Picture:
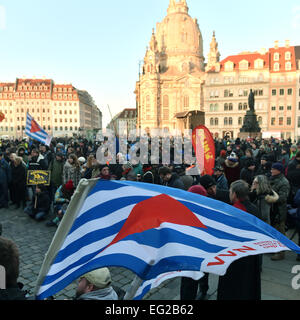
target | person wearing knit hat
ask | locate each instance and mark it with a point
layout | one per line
(62, 199)
(96, 285)
(281, 186)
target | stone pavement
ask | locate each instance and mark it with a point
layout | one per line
(33, 239)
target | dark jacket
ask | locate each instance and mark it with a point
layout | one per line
(175, 182)
(242, 279)
(42, 203)
(281, 186)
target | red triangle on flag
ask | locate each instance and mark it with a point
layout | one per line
(151, 213)
(34, 127)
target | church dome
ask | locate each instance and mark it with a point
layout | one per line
(178, 35)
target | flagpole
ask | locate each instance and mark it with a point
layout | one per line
(136, 283)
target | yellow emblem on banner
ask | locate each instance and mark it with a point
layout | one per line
(36, 177)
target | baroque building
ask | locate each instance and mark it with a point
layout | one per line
(178, 89)
(60, 109)
(171, 82)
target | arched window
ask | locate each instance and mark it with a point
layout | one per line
(245, 106)
(216, 108)
(211, 121)
(240, 106)
(230, 106)
(240, 121)
(230, 121)
(225, 121)
(216, 121)
(226, 107)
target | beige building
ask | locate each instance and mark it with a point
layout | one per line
(61, 110)
(170, 84)
(124, 121)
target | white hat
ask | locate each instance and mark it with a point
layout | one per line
(100, 278)
(81, 159)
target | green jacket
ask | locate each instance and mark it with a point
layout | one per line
(56, 168)
(281, 186)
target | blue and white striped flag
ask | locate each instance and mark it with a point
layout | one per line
(152, 230)
(34, 131)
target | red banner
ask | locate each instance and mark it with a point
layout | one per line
(204, 146)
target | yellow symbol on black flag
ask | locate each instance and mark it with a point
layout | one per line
(36, 177)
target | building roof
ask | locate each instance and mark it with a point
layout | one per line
(251, 57)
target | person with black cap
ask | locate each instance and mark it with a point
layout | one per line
(281, 186)
(209, 183)
(249, 171)
(264, 168)
(221, 180)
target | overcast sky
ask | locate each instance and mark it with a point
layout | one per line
(97, 44)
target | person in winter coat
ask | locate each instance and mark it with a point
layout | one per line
(10, 260)
(242, 279)
(297, 203)
(281, 186)
(71, 170)
(263, 196)
(96, 285)
(18, 182)
(293, 175)
(56, 168)
(5, 179)
(36, 161)
(170, 179)
(221, 180)
(232, 168)
(264, 168)
(61, 201)
(40, 204)
(249, 171)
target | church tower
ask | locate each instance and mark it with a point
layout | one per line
(213, 55)
(173, 72)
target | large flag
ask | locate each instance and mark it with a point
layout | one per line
(34, 131)
(153, 231)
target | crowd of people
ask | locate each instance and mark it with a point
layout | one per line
(261, 177)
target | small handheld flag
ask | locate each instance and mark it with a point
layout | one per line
(34, 131)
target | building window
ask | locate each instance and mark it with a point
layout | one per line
(276, 66)
(274, 92)
(212, 121)
(273, 121)
(226, 107)
(244, 65)
(230, 121)
(245, 106)
(216, 121)
(288, 66)
(226, 93)
(281, 92)
(276, 56)
(273, 108)
(240, 121)
(288, 121)
(225, 121)
(290, 92)
(281, 108)
(230, 108)
(280, 121)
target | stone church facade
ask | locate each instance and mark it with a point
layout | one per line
(178, 89)
(170, 88)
